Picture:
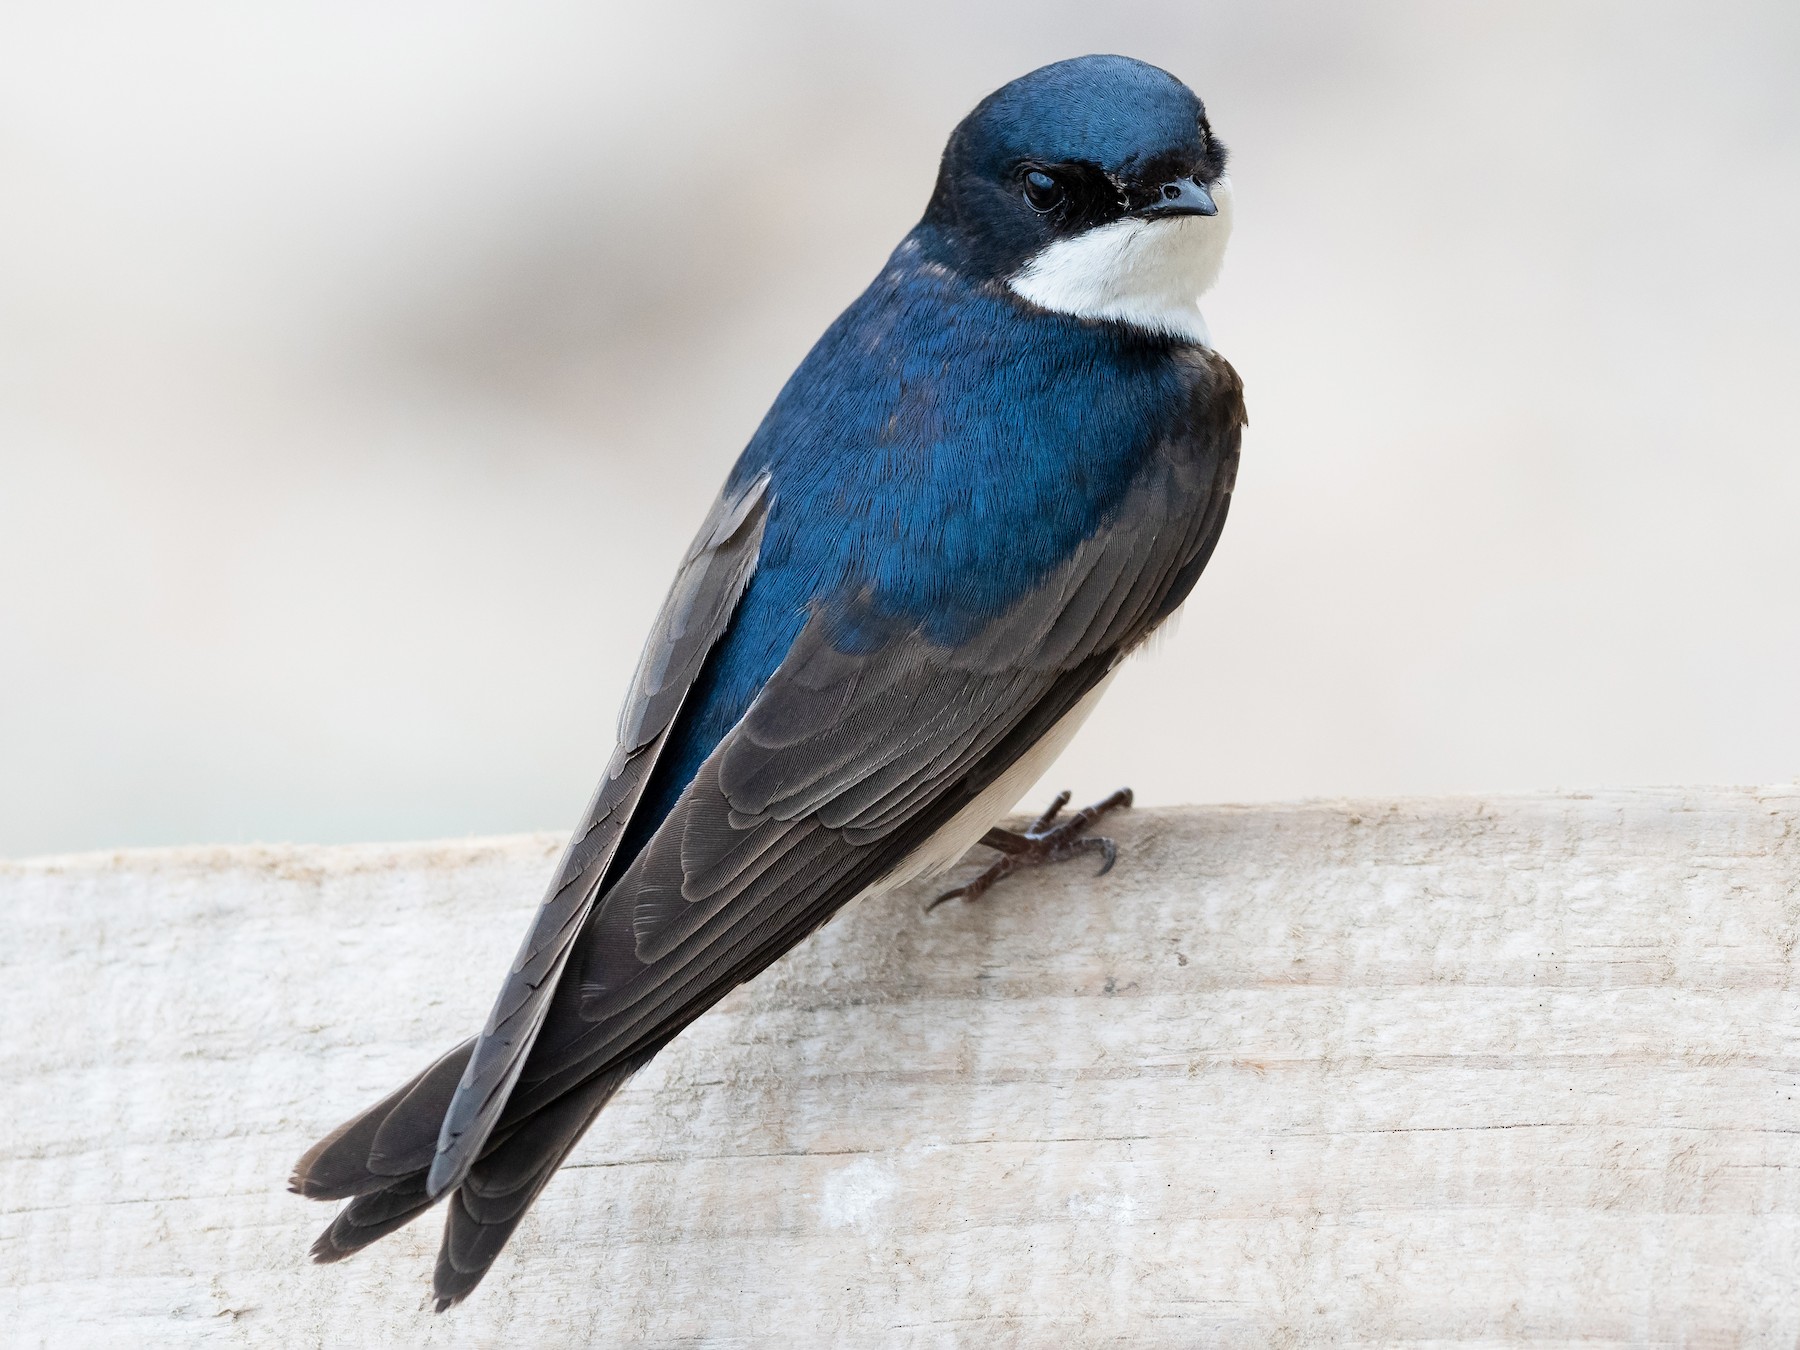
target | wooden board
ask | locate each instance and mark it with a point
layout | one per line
(1472, 1071)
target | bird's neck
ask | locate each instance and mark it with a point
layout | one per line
(1146, 275)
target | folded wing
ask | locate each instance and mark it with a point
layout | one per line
(699, 606)
(868, 739)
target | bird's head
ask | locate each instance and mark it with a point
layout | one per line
(1093, 187)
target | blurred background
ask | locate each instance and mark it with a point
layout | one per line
(364, 370)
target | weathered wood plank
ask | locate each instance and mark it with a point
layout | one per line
(1474, 1071)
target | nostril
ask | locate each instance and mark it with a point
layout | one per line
(1171, 191)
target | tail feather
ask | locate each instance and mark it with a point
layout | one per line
(380, 1161)
(386, 1143)
(492, 1199)
(370, 1217)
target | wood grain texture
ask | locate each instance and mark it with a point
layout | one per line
(1461, 1072)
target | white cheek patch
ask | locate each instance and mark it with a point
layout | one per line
(1148, 273)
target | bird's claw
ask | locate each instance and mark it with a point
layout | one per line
(1044, 842)
(1109, 854)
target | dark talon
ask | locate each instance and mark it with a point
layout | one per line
(1044, 842)
(1043, 822)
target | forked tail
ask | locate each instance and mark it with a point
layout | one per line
(379, 1161)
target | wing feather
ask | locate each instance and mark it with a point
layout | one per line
(706, 591)
(868, 739)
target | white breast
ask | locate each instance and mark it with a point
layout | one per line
(966, 827)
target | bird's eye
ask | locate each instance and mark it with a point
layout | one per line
(1042, 191)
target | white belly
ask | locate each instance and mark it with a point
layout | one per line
(966, 827)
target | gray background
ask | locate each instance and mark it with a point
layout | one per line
(364, 370)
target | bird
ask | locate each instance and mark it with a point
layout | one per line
(995, 475)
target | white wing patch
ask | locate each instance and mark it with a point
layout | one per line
(1148, 273)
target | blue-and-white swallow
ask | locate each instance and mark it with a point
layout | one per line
(1000, 469)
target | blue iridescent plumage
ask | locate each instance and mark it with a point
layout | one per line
(991, 479)
(943, 448)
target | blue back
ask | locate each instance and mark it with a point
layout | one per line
(939, 451)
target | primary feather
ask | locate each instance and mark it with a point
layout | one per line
(957, 518)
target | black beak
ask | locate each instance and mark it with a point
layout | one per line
(1181, 197)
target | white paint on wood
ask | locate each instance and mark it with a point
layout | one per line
(1473, 1071)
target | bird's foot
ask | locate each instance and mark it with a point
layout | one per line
(1045, 842)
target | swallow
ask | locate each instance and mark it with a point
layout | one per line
(992, 478)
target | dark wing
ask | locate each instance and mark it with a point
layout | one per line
(853, 755)
(707, 588)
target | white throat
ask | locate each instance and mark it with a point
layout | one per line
(1148, 273)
